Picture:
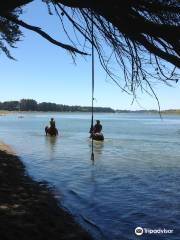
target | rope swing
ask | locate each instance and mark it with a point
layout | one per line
(92, 96)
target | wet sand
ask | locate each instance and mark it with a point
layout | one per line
(28, 209)
(4, 112)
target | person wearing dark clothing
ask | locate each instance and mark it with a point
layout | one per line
(52, 130)
(95, 131)
(97, 128)
(52, 123)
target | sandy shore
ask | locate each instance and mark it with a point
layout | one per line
(4, 112)
(28, 210)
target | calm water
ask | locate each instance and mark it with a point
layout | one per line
(135, 180)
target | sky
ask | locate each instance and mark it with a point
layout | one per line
(45, 72)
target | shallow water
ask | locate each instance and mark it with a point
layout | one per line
(135, 179)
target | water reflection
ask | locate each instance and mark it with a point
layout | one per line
(97, 147)
(51, 143)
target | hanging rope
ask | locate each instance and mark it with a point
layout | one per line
(92, 97)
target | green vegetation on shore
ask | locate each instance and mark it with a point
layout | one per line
(32, 105)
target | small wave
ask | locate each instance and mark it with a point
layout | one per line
(93, 224)
(74, 193)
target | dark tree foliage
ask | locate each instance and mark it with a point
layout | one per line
(9, 105)
(143, 36)
(47, 106)
(9, 34)
(32, 105)
(28, 105)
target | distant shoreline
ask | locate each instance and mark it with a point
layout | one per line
(31, 105)
(2, 112)
(168, 112)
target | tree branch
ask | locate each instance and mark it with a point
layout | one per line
(44, 35)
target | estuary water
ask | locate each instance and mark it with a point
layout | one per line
(135, 178)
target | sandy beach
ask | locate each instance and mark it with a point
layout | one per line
(28, 209)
